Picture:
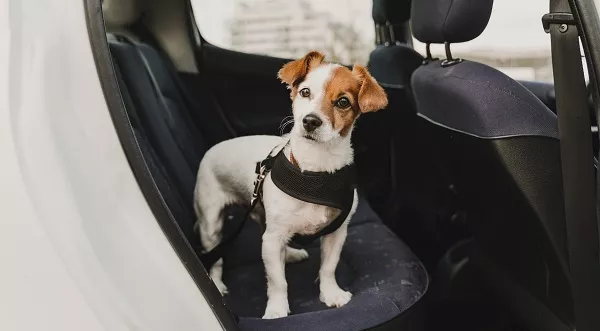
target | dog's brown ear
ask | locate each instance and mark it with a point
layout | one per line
(293, 73)
(371, 96)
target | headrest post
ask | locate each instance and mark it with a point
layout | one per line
(377, 34)
(391, 31)
(448, 52)
(428, 57)
(449, 60)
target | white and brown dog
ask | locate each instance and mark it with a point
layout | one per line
(327, 99)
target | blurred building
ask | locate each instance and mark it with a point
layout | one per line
(290, 28)
(535, 65)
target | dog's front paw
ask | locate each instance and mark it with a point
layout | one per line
(334, 296)
(293, 255)
(276, 309)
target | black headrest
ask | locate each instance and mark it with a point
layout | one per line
(453, 21)
(392, 11)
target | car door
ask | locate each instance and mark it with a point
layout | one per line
(246, 88)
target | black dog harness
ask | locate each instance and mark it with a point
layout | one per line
(334, 190)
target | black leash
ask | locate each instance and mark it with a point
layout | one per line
(334, 190)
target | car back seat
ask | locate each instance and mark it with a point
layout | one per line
(385, 277)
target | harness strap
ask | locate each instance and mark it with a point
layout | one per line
(335, 190)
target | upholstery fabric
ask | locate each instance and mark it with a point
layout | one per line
(393, 65)
(382, 273)
(481, 101)
(385, 277)
(454, 21)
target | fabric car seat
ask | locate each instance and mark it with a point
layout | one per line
(393, 61)
(500, 144)
(385, 277)
(421, 201)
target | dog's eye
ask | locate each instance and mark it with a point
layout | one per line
(305, 92)
(342, 103)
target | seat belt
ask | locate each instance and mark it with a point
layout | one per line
(577, 165)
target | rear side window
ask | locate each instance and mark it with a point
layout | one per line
(514, 41)
(342, 29)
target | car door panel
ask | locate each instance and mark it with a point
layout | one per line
(247, 89)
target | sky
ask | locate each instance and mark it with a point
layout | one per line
(514, 28)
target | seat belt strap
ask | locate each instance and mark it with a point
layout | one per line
(577, 166)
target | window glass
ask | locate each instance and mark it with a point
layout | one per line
(342, 29)
(514, 41)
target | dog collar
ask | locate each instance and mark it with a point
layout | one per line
(331, 189)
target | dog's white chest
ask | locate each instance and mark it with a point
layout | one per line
(309, 218)
(293, 215)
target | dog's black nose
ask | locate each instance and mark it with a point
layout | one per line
(311, 122)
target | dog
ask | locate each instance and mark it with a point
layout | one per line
(327, 99)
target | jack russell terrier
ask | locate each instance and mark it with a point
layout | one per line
(327, 99)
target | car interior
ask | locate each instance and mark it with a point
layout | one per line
(460, 223)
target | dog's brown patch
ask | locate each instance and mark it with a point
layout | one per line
(293, 73)
(371, 97)
(361, 89)
(341, 83)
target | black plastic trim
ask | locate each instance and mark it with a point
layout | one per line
(556, 18)
(116, 107)
(585, 11)
(518, 300)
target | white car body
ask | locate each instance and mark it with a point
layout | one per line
(79, 247)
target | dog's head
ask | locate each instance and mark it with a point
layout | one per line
(327, 98)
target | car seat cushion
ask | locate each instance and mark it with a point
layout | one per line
(381, 272)
(453, 21)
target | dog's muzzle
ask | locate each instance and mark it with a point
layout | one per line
(311, 122)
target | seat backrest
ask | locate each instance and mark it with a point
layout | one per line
(419, 199)
(160, 112)
(391, 63)
(393, 60)
(500, 144)
(164, 136)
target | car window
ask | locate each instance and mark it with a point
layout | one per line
(514, 41)
(342, 29)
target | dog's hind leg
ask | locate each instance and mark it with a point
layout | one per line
(216, 274)
(210, 224)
